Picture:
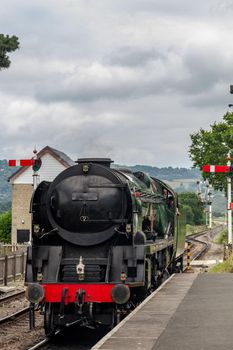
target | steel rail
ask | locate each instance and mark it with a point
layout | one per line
(193, 239)
(200, 233)
(12, 317)
(44, 341)
(12, 296)
(40, 344)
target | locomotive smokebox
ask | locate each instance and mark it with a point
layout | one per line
(88, 201)
(101, 161)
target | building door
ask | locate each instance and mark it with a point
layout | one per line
(23, 236)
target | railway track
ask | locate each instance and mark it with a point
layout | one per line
(72, 338)
(16, 335)
(12, 306)
(14, 316)
(198, 247)
(41, 344)
(11, 296)
(14, 322)
(15, 332)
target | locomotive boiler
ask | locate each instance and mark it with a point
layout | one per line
(102, 239)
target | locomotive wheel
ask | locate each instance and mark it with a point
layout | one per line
(116, 317)
(49, 320)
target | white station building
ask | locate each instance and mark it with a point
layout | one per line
(53, 162)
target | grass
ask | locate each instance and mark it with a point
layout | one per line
(225, 266)
(220, 219)
(190, 229)
(221, 237)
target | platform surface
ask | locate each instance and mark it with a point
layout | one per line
(193, 311)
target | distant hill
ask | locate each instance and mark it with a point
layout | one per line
(182, 179)
(169, 173)
(5, 188)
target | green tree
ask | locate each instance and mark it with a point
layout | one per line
(193, 208)
(7, 44)
(188, 213)
(211, 147)
(5, 227)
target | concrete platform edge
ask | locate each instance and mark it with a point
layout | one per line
(115, 329)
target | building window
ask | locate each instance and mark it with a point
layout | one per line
(23, 236)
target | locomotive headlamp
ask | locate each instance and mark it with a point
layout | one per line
(35, 293)
(80, 269)
(120, 293)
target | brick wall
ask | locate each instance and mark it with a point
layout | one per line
(21, 198)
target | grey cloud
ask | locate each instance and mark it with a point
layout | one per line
(194, 74)
(224, 6)
(208, 76)
(129, 80)
(214, 98)
(133, 56)
(116, 132)
(207, 65)
(116, 86)
(168, 7)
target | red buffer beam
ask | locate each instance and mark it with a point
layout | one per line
(216, 168)
(21, 162)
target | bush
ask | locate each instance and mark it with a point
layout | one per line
(187, 210)
(193, 208)
(5, 227)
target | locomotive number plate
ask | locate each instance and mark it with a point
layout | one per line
(84, 196)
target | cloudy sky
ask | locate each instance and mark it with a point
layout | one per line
(126, 79)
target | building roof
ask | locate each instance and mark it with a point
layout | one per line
(58, 155)
(61, 156)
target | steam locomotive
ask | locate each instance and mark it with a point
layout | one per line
(102, 239)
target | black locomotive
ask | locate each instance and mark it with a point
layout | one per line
(102, 238)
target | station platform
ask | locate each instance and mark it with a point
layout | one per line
(189, 311)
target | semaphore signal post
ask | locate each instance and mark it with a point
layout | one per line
(35, 162)
(224, 169)
(229, 204)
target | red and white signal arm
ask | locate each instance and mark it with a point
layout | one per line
(231, 206)
(35, 163)
(216, 168)
(20, 162)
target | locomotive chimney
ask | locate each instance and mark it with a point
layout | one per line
(102, 161)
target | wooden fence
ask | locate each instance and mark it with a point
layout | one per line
(12, 263)
(9, 248)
